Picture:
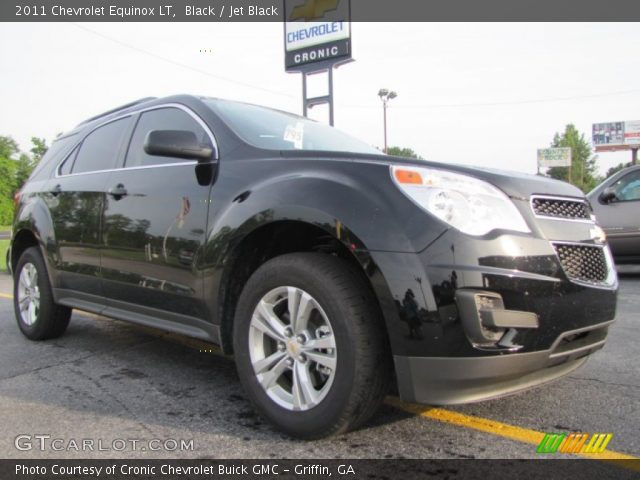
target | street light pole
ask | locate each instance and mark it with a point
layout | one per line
(384, 116)
(385, 95)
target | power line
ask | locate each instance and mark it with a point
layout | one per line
(182, 65)
(349, 105)
(502, 103)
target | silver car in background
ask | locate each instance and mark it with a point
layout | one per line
(616, 204)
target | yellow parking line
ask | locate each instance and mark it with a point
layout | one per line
(493, 427)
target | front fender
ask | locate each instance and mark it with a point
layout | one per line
(357, 195)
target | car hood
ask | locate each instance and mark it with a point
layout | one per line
(514, 184)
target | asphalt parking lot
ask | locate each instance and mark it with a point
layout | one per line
(107, 380)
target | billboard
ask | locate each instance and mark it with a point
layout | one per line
(554, 157)
(316, 31)
(616, 135)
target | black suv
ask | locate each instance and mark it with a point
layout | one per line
(320, 264)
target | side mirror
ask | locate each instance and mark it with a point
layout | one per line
(177, 143)
(608, 195)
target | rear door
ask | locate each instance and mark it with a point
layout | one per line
(75, 198)
(154, 228)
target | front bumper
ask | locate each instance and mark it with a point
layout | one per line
(436, 356)
(448, 381)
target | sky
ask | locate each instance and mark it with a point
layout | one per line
(486, 94)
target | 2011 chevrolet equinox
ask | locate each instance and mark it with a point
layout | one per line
(320, 264)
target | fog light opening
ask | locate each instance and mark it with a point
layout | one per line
(488, 324)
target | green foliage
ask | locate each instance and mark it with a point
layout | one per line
(15, 168)
(617, 168)
(583, 162)
(4, 246)
(8, 147)
(403, 152)
(38, 150)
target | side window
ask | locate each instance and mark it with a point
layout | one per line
(168, 118)
(628, 187)
(56, 152)
(68, 163)
(99, 150)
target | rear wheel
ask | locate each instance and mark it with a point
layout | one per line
(309, 345)
(38, 316)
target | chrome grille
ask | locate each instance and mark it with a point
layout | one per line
(583, 263)
(560, 208)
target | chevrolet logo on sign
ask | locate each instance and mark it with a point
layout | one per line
(316, 31)
(312, 9)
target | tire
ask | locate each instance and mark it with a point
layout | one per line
(43, 318)
(305, 397)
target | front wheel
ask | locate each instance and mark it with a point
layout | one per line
(310, 346)
(38, 316)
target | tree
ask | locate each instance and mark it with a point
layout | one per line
(38, 149)
(403, 152)
(26, 163)
(15, 168)
(583, 163)
(8, 147)
(617, 168)
(24, 167)
(8, 151)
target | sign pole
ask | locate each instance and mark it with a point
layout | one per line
(634, 156)
(330, 95)
(304, 94)
(313, 69)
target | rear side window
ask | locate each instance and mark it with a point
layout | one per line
(100, 149)
(58, 149)
(65, 169)
(168, 118)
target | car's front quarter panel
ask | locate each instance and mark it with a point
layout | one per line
(348, 200)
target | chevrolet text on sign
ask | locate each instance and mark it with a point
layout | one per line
(316, 31)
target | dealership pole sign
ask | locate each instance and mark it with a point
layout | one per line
(554, 157)
(317, 38)
(316, 32)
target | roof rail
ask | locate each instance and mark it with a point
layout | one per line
(117, 109)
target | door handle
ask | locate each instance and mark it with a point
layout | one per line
(118, 191)
(57, 190)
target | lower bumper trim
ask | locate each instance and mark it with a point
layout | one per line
(450, 381)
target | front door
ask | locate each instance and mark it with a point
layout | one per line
(620, 217)
(154, 227)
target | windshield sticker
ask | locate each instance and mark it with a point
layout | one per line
(294, 134)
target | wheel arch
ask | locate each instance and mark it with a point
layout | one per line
(282, 236)
(33, 227)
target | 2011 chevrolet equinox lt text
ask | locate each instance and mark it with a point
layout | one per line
(320, 264)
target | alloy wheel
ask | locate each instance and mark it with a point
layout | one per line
(292, 348)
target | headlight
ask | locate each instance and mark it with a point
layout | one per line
(466, 203)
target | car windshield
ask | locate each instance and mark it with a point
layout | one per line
(275, 130)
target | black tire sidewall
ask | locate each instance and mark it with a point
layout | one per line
(331, 410)
(41, 326)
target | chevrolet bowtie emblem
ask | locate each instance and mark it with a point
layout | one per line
(312, 9)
